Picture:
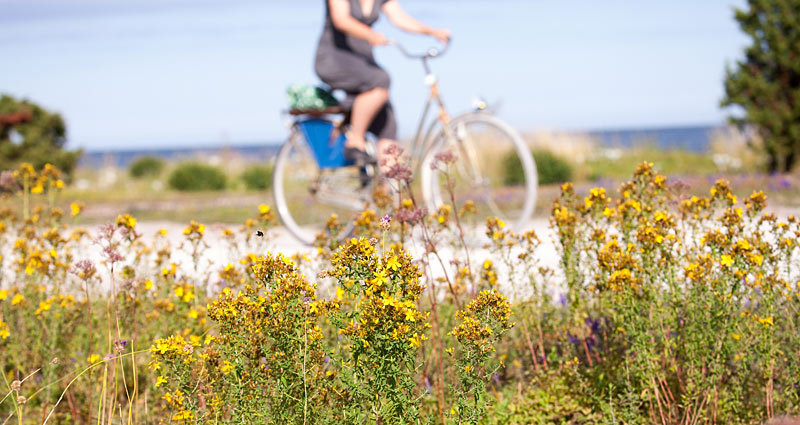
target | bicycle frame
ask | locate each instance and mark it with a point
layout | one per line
(420, 144)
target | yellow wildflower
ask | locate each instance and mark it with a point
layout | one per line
(393, 263)
(43, 306)
(75, 208)
(726, 260)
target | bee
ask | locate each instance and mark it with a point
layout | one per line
(259, 233)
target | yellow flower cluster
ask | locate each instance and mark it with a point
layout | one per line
(442, 216)
(387, 289)
(488, 273)
(495, 229)
(4, 333)
(620, 264)
(194, 230)
(265, 214)
(483, 320)
(36, 183)
(126, 221)
(596, 200)
(281, 302)
(184, 291)
(366, 219)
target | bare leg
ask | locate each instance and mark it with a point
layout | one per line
(365, 108)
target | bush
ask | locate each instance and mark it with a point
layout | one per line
(550, 168)
(31, 134)
(257, 177)
(146, 166)
(192, 176)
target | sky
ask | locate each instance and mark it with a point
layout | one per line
(130, 74)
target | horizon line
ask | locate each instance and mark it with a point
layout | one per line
(251, 143)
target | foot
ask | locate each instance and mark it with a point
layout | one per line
(362, 160)
(359, 157)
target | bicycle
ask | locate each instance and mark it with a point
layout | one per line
(312, 180)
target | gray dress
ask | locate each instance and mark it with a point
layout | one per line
(346, 63)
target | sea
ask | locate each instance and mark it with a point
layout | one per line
(695, 138)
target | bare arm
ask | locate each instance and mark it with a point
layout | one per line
(345, 22)
(405, 22)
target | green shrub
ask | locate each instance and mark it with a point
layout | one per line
(146, 166)
(257, 177)
(552, 397)
(35, 135)
(192, 176)
(550, 168)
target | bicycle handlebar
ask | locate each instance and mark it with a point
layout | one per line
(433, 52)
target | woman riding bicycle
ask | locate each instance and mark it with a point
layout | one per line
(345, 61)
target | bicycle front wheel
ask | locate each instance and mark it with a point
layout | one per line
(307, 196)
(493, 167)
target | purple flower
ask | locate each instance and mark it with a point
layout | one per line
(386, 222)
(445, 157)
(112, 255)
(411, 216)
(572, 338)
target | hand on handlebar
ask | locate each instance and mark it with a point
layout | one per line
(431, 53)
(378, 39)
(442, 35)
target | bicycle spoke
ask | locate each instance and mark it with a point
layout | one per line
(306, 196)
(483, 148)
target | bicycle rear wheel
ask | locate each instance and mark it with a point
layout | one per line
(306, 196)
(493, 167)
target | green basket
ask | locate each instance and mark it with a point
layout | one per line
(307, 97)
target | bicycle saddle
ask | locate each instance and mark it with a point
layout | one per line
(330, 110)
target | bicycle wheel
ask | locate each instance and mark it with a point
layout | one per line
(306, 196)
(493, 167)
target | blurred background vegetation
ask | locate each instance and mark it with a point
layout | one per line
(758, 150)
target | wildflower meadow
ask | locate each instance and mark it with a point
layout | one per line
(662, 308)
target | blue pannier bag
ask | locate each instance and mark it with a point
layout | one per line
(318, 133)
